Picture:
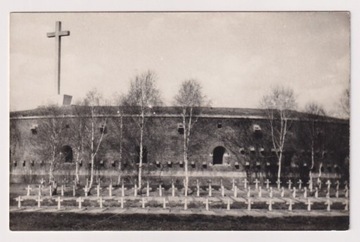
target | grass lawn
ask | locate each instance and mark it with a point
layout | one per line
(33, 221)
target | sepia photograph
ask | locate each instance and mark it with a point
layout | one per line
(179, 121)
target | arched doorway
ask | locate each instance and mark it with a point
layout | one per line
(218, 155)
(66, 154)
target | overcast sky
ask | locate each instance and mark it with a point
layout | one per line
(237, 57)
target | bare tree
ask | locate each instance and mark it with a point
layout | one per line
(49, 136)
(78, 125)
(344, 104)
(142, 96)
(278, 104)
(119, 100)
(315, 113)
(190, 100)
(98, 126)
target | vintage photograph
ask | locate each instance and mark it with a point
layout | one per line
(232, 121)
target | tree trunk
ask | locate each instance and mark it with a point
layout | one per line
(279, 170)
(312, 160)
(77, 179)
(92, 155)
(120, 149)
(52, 163)
(185, 156)
(141, 150)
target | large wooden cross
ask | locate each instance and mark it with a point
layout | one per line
(57, 35)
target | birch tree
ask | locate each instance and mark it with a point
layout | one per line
(315, 113)
(78, 129)
(190, 100)
(278, 105)
(96, 131)
(142, 96)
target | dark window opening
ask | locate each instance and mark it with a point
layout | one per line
(67, 126)
(237, 166)
(41, 163)
(204, 164)
(103, 128)
(219, 125)
(169, 164)
(15, 163)
(322, 169)
(144, 154)
(218, 155)
(193, 164)
(262, 151)
(252, 150)
(180, 128)
(24, 163)
(113, 163)
(32, 163)
(34, 129)
(181, 164)
(158, 163)
(80, 163)
(66, 154)
(242, 151)
(257, 131)
(102, 163)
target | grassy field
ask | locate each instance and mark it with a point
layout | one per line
(32, 221)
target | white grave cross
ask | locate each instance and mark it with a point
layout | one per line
(164, 203)
(270, 202)
(267, 182)
(80, 200)
(100, 200)
(28, 189)
(39, 200)
(249, 202)
(59, 200)
(110, 188)
(309, 203)
(289, 182)
(256, 184)
(245, 183)
(300, 184)
(328, 203)
(19, 200)
(290, 203)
